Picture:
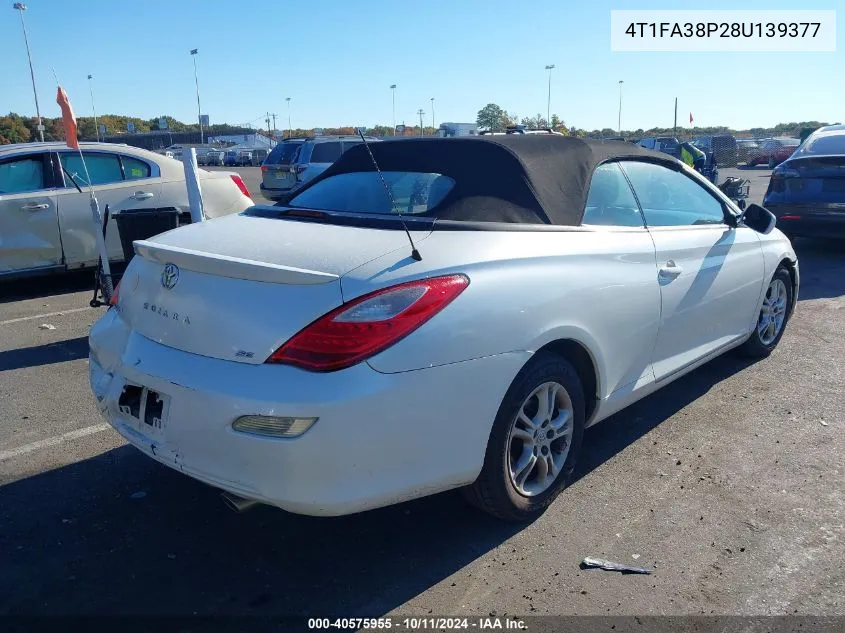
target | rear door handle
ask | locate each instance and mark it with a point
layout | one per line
(35, 207)
(670, 270)
(141, 195)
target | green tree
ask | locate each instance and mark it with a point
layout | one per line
(492, 117)
(13, 129)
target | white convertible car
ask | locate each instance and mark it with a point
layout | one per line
(311, 357)
(45, 217)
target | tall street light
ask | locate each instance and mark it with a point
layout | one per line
(20, 7)
(290, 131)
(93, 108)
(620, 107)
(421, 112)
(393, 90)
(432, 114)
(194, 52)
(549, 67)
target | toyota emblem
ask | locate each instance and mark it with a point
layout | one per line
(169, 276)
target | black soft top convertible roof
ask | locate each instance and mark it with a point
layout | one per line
(531, 179)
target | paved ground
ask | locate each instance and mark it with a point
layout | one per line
(728, 482)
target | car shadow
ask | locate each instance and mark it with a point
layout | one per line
(36, 287)
(119, 534)
(822, 267)
(59, 352)
(611, 436)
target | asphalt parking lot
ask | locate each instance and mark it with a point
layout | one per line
(728, 483)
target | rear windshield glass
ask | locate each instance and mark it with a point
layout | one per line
(283, 153)
(364, 192)
(325, 152)
(824, 145)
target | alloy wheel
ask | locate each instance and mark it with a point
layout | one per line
(773, 312)
(539, 439)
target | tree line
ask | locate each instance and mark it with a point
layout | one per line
(15, 128)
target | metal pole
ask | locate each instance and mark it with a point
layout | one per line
(420, 112)
(675, 128)
(549, 67)
(274, 124)
(269, 133)
(393, 90)
(290, 130)
(93, 107)
(194, 52)
(21, 7)
(620, 107)
(432, 115)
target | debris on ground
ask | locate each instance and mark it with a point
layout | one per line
(611, 566)
(138, 495)
(46, 326)
(823, 423)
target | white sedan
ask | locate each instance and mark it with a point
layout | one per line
(319, 358)
(45, 217)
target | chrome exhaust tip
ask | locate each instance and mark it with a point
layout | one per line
(236, 503)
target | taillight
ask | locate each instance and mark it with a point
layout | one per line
(298, 169)
(115, 296)
(780, 176)
(240, 183)
(369, 324)
(264, 168)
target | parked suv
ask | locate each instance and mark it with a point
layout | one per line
(295, 161)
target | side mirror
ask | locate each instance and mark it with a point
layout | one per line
(758, 218)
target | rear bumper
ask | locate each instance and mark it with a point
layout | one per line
(810, 220)
(380, 438)
(273, 193)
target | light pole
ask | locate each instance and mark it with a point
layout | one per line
(432, 115)
(421, 112)
(549, 67)
(393, 90)
(93, 108)
(20, 7)
(194, 52)
(620, 107)
(290, 131)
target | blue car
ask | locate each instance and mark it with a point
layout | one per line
(807, 191)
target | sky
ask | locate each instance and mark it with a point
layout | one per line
(337, 58)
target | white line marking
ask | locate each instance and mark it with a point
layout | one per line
(43, 316)
(53, 441)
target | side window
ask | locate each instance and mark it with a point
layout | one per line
(327, 152)
(20, 175)
(610, 201)
(347, 145)
(104, 169)
(134, 168)
(671, 198)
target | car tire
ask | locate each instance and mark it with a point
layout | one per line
(761, 343)
(496, 491)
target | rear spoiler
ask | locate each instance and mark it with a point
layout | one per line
(226, 266)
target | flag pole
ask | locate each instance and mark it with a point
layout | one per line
(69, 123)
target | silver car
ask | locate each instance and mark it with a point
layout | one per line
(295, 161)
(45, 217)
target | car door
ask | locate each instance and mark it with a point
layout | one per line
(120, 181)
(29, 225)
(710, 273)
(629, 318)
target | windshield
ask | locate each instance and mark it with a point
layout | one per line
(364, 192)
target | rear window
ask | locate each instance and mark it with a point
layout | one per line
(326, 152)
(283, 154)
(364, 192)
(834, 144)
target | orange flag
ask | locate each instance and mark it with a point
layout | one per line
(68, 120)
